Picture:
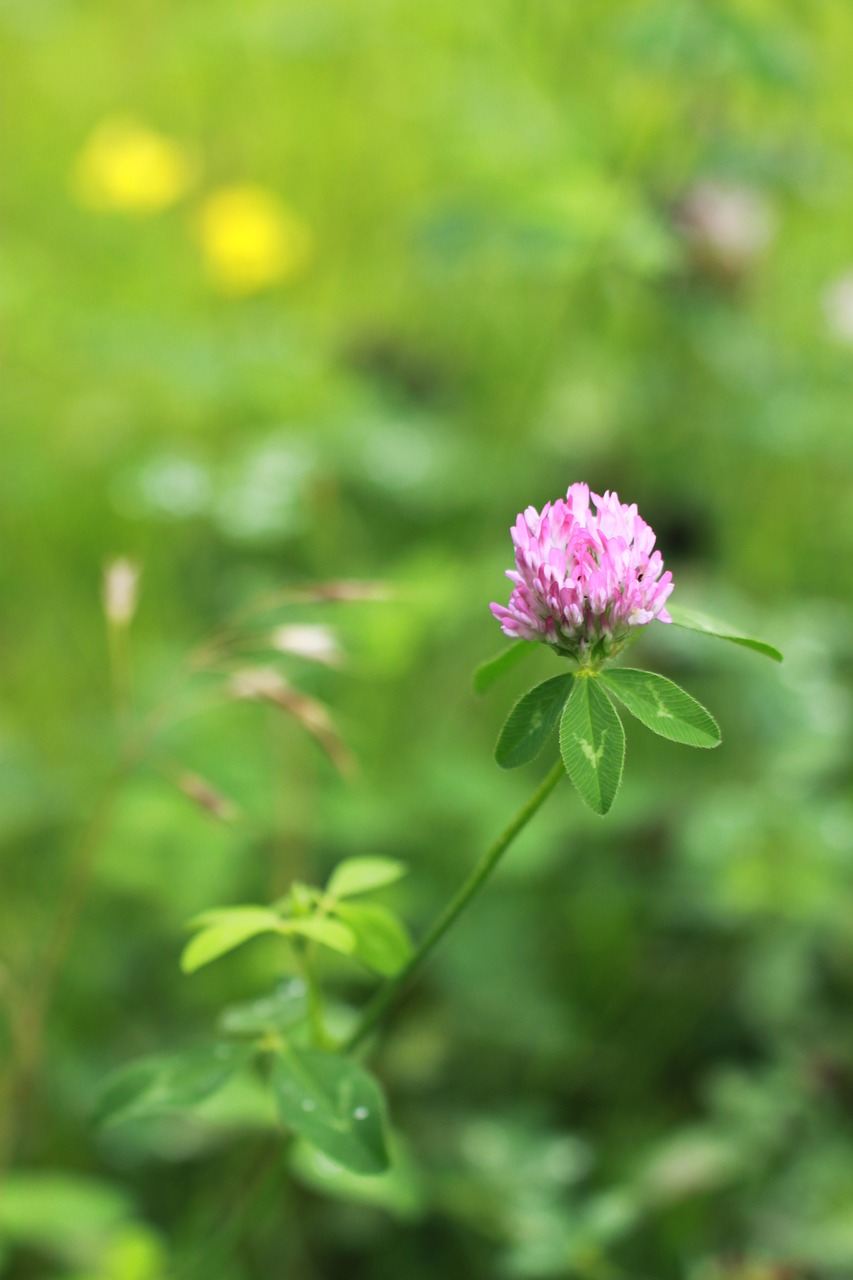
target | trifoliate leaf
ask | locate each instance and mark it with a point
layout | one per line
(663, 707)
(531, 722)
(363, 875)
(334, 1104)
(381, 942)
(171, 1082)
(693, 621)
(592, 744)
(224, 929)
(330, 933)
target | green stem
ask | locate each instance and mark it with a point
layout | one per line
(119, 655)
(386, 995)
(315, 1000)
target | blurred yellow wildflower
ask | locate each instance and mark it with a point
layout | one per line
(250, 239)
(126, 166)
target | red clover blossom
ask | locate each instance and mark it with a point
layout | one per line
(584, 578)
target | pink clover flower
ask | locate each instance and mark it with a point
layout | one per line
(586, 576)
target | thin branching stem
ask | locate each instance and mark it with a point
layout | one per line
(386, 996)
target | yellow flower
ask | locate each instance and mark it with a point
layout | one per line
(126, 166)
(250, 239)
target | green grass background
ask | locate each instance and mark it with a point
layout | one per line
(633, 1059)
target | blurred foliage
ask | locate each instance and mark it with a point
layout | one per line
(293, 292)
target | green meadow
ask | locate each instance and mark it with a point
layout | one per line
(301, 302)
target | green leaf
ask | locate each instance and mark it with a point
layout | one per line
(63, 1214)
(173, 1082)
(381, 940)
(398, 1190)
(592, 743)
(329, 933)
(224, 929)
(282, 1009)
(363, 875)
(663, 707)
(491, 670)
(531, 722)
(334, 1104)
(693, 621)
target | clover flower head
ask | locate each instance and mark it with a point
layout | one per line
(586, 576)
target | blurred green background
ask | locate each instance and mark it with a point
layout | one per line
(304, 291)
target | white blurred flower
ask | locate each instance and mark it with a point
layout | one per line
(726, 225)
(315, 642)
(120, 591)
(265, 491)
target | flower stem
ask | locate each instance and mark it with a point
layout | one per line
(386, 996)
(315, 999)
